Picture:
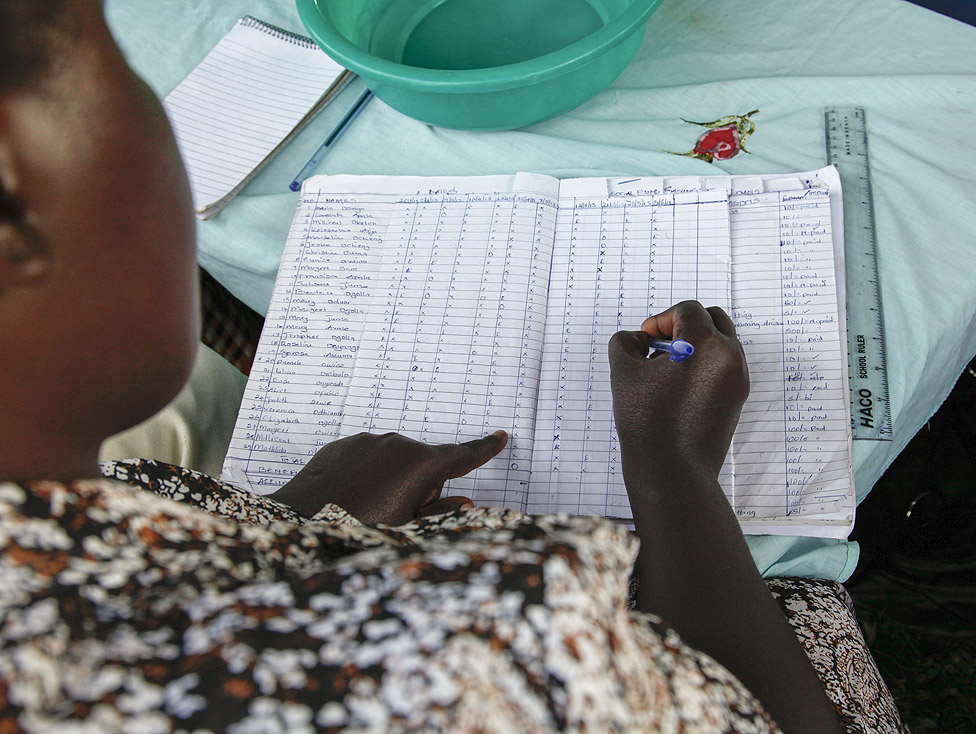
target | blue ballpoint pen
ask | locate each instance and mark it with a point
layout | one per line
(318, 155)
(679, 349)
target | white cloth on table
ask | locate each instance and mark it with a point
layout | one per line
(912, 69)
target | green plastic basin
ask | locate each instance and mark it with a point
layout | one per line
(481, 64)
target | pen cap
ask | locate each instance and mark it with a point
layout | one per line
(681, 350)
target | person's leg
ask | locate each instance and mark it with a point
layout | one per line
(195, 429)
(822, 616)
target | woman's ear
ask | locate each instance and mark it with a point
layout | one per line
(24, 259)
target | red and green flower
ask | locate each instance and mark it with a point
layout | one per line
(724, 139)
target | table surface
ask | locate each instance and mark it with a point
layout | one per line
(912, 69)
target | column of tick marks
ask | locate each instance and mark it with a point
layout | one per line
(500, 395)
(478, 281)
(818, 468)
(647, 220)
(307, 351)
(433, 406)
(571, 334)
(659, 285)
(553, 478)
(473, 309)
(597, 456)
(434, 254)
(677, 247)
(441, 363)
(524, 325)
(508, 265)
(381, 391)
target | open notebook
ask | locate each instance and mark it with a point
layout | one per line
(248, 97)
(445, 308)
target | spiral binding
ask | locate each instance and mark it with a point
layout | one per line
(249, 21)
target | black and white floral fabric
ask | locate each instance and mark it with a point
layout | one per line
(196, 607)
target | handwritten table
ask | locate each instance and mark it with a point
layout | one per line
(913, 70)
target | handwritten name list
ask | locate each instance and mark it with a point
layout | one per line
(446, 308)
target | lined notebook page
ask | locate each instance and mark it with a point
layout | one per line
(789, 469)
(452, 343)
(242, 102)
(616, 260)
(447, 308)
(461, 264)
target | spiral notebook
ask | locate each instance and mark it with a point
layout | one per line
(248, 97)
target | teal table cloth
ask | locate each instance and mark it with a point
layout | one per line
(914, 72)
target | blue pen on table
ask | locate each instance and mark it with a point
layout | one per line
(318, 155)
(679, 349)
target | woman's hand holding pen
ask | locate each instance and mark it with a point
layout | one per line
(670, 413)
(675, 423)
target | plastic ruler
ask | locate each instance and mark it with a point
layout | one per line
(847, 149)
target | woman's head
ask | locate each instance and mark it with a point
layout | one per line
(98, 285)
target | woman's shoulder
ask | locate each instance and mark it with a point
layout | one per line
(198, 490)
(484, 618)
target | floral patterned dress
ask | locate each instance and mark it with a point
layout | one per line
(196, 607)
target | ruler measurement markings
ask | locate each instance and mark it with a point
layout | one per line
(847, 149)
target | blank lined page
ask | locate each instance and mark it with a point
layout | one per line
(238, 105)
